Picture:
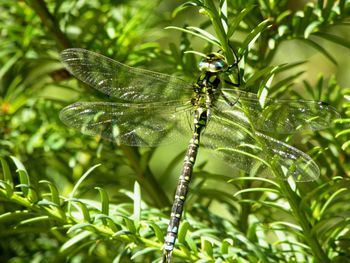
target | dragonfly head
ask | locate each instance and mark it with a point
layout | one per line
(213, 62)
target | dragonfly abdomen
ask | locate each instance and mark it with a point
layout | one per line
(205, 94)
(200, 121)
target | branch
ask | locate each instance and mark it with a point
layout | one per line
(49, 22)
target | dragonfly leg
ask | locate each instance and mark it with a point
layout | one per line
(229, 102)
(167, 256)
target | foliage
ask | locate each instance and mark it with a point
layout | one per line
(57, 205)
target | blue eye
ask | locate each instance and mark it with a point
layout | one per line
(219, 64)
(203, 64)
(212, 64)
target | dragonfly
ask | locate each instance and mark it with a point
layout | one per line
(151, 109)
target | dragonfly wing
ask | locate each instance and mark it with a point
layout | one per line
(129, 124)
(121, 81)
(280, 116)
(256, 152)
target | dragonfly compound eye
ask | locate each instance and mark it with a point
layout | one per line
(213, 63)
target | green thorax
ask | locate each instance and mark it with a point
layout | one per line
(206, 89)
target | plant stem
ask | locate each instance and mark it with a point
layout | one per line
(50, 23)
(299, 214)
(145, 178)
(217, 20)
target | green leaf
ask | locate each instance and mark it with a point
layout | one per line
(282, 16)
(288, 224)
(264, 89)
(73, 242)
(9, 63)
(184, 6)
(104, 203)
(255, 248)
(283, 85)
(309, 88)
(130, 225)
(15, 216)
(249, 41)
(326, 9)
(45, 202)
(225, 245)
(144, 251)
(329, 228)
(158, 231)
(238, 19)
(78, 183)
(87, 226)
(104, 200)
(260, 179)
(256, 189)
(192, 244)
(8, 189)
(311, 28)
(345, 146)
(80, 207)
(107, 220)
(223, 13)
(206, 247)
(319, 87)
(35, 220)
(331, 199)
(81, 179)
(343, 132)
(333, 38)
(261, 73)
(184, 227)
(24, 179)
(55, 198)
(6, 172)
(195, 34)
(137, 205)
(203, 33)
(211, 11)
(319, 48)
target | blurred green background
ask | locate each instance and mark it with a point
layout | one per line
(54, 209)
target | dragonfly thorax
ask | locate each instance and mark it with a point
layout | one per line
(213, 62)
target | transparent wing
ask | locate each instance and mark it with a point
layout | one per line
(277, 116)
(256, 152)
(129, 124)
(123, 82)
